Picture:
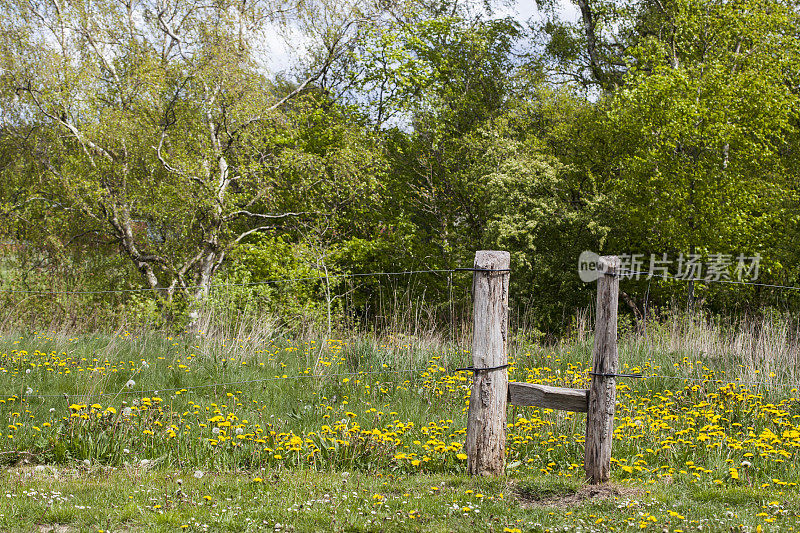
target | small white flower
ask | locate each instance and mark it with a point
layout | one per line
(27, 370)
(179, 481)
(145, 364)
(198, 474)
(52, 409)
(130, 384)
(125, 450)
(29, 391)
(144, 462)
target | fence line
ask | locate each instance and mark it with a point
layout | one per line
(360, 373)
(491, 390)
(213, 385)
(728, 381)
(226, 384)
(703, 280)
(248, 284)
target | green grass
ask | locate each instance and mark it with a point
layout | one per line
(695, 455)
(131, 499)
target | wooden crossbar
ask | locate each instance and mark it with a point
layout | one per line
(535, 395)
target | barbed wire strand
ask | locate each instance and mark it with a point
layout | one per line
(726, 381)
(248, 284)
(213, 385)
(625, 273)
(736, 381)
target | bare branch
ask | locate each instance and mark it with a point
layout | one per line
(121, 223)
(106, 63)
(238, 239)
(20, 205)
(86, 144)
(236, 214)
(169, 167)
(331, 56)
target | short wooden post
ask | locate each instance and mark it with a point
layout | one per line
(603, 391)
(486, 422)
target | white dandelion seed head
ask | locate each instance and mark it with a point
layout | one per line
(198, 474)
(239, 431)
(29, 391)
(215, 431)
(130, 384)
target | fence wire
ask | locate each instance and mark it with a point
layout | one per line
(213, 385)
(248, 284)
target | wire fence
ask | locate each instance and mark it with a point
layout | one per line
(629, 273)
(217, 385)
(623, 274)
(247, 284)
(228, 384)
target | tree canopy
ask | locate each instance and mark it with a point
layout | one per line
(146, 144)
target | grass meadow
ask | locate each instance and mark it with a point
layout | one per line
(248, 430)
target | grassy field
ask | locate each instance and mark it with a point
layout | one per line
(145, 432)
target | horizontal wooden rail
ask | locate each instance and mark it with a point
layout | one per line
(533, 394)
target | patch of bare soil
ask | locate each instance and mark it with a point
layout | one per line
(55, 528)
(571, 499)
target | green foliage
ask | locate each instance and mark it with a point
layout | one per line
(259, 278)
(533, 215)
(134, 153)
(701, 132)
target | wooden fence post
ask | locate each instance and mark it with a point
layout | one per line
(603, 391)
(486, 422)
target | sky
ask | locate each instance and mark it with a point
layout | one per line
(285, 48)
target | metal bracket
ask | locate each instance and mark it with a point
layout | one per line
(482, 269)
(613, 375)
(476, 370)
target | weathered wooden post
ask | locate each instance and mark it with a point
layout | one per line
(603, 391)
(486, 422)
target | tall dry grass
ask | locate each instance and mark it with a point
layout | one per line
(762, 350)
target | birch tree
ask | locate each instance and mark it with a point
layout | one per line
(157, 123)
